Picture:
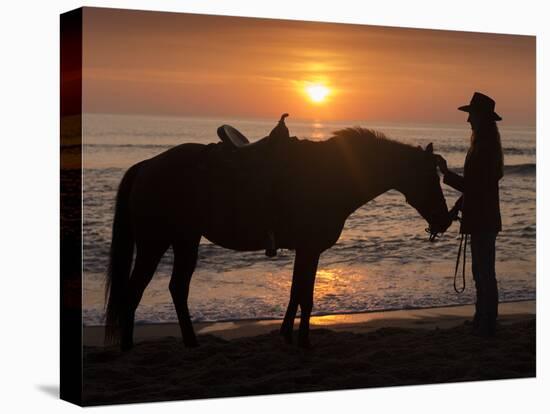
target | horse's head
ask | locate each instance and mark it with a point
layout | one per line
(412, 171)
(421, 187)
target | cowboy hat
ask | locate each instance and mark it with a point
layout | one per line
(483, 105)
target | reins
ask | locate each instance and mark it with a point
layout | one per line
(461, 249)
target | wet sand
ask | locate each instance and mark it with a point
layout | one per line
(350, 351)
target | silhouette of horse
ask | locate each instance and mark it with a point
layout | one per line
(301, 190)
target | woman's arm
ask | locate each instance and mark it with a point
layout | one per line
(450, 178)
(454, 180)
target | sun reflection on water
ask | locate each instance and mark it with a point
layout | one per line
(333, 282)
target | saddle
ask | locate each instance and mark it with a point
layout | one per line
(238, 143)
(235, 139)
(232, 136)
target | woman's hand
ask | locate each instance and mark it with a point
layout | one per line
(441, 164)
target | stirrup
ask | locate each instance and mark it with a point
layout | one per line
(271, 250)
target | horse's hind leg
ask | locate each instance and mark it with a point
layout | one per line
(301, 293)
(185, 259)
(147, 259)
(288, 322)
(306, 297)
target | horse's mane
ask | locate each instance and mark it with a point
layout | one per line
(372, 136)
(360, 147)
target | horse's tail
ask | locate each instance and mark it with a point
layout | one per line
(120, 259)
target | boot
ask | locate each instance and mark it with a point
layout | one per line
(479, 306)
(477, 315)
(487, 310)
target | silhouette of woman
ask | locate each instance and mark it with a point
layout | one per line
(483, 168)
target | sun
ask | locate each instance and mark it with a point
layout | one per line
(317, 92)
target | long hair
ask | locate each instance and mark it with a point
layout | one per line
(485, 142)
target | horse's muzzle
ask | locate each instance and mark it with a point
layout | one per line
(439, 227)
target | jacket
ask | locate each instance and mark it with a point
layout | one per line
(479, 186)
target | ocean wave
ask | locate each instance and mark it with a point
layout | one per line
(133, 146)
(257, 309)
(137, 133)
(519, 151)
(520, 169)
(463, 149)
(515, 169)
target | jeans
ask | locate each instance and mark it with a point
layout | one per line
(483, 270)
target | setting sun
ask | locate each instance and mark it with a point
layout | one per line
(317, 93)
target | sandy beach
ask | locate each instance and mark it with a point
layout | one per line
(350, 351)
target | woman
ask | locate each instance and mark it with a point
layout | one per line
(480, 207)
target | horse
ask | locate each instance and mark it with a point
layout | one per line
(300, 190)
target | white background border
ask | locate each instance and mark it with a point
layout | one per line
(29, 216)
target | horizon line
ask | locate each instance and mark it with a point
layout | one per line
(532, 124)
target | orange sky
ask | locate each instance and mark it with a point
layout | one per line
(182, 64)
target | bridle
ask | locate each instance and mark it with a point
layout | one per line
(433, 235)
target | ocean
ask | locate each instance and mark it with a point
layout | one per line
(382, 260)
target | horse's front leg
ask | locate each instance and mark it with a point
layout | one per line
(303, 281)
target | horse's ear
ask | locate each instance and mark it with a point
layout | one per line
(430, 148)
